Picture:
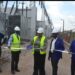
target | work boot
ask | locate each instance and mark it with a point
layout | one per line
(17, 70)
(0, 71)
(13, 72)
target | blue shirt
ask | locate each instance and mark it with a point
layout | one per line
(72, 49)
(59, 45)
(10, 41)
(1, 37)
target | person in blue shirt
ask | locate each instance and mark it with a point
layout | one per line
(72, 49)
(1, 43)
(56, 44)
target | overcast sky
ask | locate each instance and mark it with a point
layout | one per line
(57, 10)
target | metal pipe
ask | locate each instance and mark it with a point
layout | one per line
(49, 21)
(12, 8)
(63, 26)
(16, 10)
(26, 11)
(22, 6)
(16, 6)
(6, 6)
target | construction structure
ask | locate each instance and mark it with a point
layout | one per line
(26, 18)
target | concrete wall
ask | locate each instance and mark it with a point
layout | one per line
(33, 21)
(25, 27)
(40, 24)
(46, 28)
(28, 23)
(48, 31)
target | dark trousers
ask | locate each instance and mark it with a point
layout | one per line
(0, 51)
(72, 67)
(0, 57)
(14, 60)
(54, 66)
(39, 64)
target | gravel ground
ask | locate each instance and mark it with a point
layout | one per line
(26, 65)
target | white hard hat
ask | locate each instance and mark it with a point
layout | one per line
(56, 30)
(17, 28)
(40, 30)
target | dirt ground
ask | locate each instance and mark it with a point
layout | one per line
(26, 65)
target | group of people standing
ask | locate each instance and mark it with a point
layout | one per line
(39, 44)
(39, 51)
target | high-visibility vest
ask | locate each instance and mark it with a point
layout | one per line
(42, 42)
(15, 42)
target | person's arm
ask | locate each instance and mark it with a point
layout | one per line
(9, 41)
(61, 47)
(2, 38)
(70, 48)
(31, 43)
(45, 46)
(50, 53)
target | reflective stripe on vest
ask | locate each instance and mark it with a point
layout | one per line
(15, 42)
(41, 44)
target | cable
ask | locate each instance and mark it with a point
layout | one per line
(25, 48)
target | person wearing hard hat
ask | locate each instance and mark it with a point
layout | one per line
(14, 42)
(56, 44)
(72, 50)
(39, 44)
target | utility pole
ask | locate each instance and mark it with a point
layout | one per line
(34, 3)
(22, 3)
(16, 7)
(22, 6)
(63, 27)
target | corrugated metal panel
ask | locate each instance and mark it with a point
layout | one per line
(13, 21)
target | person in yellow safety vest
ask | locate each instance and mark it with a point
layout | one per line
(39, 44)
(14, 42)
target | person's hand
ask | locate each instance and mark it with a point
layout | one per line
(61, 57)
(29, 47)
(70, 52)
(8, 47)
(50, 54)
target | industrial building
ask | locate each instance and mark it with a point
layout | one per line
(26, 18)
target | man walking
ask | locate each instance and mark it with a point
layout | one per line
(72, 50)
(56, 44)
